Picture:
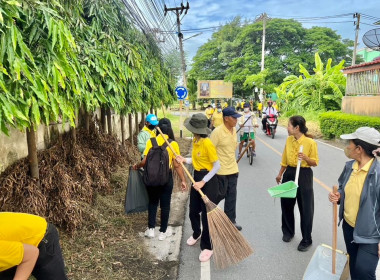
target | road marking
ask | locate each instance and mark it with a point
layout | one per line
(205, 270)
(323, 185)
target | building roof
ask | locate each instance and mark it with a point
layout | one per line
(375, 64)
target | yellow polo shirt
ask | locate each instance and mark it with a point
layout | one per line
(292, 147)
(225, 143)
(160, 142)
(353, 191)
(217, 118)
(203, 154)
(209, 112)
(17, 229)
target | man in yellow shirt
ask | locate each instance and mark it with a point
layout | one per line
(29, 245)
(225, 141)
(217, 117)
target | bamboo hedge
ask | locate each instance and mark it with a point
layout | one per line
(59, 56)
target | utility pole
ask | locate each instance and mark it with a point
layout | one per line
(357, 23)
(263, 17)
(178, 11)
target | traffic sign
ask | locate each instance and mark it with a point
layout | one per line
(187, 103)
(181, 93)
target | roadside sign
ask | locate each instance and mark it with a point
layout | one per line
(181, 93)
(187, 103)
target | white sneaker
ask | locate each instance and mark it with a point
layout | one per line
(149, 233)
(162, 236)
(169, 232)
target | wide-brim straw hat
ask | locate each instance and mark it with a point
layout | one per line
(197, 124)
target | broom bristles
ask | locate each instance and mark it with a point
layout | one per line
(229, 245)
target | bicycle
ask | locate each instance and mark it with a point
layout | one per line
(250, 152)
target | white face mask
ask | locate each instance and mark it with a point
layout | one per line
(219, 110)
(246, 110)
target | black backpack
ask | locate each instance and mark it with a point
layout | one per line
(156, 170)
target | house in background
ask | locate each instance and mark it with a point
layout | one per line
(368, 54)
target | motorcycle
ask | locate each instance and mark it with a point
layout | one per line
(271, 125)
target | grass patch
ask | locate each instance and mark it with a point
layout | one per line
(312, 121)
(174, 117)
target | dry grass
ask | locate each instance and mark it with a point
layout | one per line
(312, 125)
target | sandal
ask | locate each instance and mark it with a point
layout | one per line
(205, 255)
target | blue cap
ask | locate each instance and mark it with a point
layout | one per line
(230, 112)
(152, 119)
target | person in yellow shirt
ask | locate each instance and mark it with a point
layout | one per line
(275, 105)
(161, 193)
(358, 196)
(217, 117)
(225, 141)
(147, 132)
(260, 108)
(206, 164)
(29, 245)
(225, 105)
(209, 112)
(298, 137)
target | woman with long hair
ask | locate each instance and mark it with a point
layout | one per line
(298, 136)
(161, 194)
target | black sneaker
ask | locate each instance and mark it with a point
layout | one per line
(238, 227)
(286, 238)
(304, 246)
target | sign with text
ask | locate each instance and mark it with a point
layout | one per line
(214, 89)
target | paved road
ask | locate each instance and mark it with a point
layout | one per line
(260, 216)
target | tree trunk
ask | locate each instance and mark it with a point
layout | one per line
(122, 119)
(142, 122)
(73, 134)
(109, 121)
(87, 121)
(130, 126)
(194, 106)
(103, 120)
(155, 112)
(137, 128)
(151, 110)
(32, 152)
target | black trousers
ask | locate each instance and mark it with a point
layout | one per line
(305, 201)
(197, 206)
(228, 183)
(49, 265)
(162, 195)
(363, 257)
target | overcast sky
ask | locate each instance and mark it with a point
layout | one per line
(208, 13)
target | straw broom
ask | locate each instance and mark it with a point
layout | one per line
(229, 245)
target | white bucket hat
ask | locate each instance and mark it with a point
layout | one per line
(366, 134)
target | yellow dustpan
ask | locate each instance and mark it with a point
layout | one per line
(288, 189)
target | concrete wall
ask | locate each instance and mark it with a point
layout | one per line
(361, 105)
(14, 146)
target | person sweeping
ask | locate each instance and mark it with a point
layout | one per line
(206, 164)
(298, 137)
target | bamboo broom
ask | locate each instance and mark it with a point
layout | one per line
(229, 245)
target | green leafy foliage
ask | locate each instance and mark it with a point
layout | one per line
(323, 90)
(335, 123)
(234, 52)
(57, 56)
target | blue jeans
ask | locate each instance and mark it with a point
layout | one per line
(162, 195)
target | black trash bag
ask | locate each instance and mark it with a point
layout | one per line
(136, 199)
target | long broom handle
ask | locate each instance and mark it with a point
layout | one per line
(335, 225)
(184, 168)
(298, 167)
(243, 124)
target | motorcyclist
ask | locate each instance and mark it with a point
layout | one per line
(247, 132)
(269, 110)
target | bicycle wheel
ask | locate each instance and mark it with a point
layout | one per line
(250, 155)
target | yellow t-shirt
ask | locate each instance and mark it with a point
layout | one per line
(260, 106)
(209, 112)
(225, 143)
(353, 191)
(203, 154)
(151, 132)
(17, 229)
(160, 142)
(225, 105)
(217, 118)
(292, 147)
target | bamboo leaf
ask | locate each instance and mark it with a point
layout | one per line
(35, 112)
